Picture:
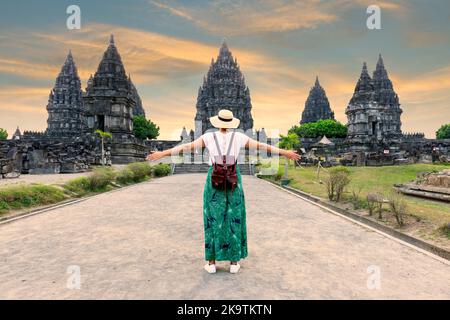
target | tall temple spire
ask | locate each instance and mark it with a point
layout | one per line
(224, 46)
(111, 72)
(374, 111)
(317, 106)
(225, 54)
(138, 109)
(364, 69)
(223, 88)
(384, 90)
(380, 71)
(65, 105)
(110, 85)
(112, 99)
(364, 87)
(17, 134)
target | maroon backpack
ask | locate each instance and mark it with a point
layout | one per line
(224, 176)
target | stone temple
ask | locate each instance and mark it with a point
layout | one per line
(317, 106)
(109, 104)
(66, 113)
(374, 110)
(108, 99)
(223, 88)
(111, 101)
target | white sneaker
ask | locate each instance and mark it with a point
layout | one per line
(210, 268)
(234, 268)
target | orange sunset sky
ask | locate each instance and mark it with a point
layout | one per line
(281, 46)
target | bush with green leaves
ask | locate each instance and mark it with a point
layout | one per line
(338, 178)
(161, 170)
(101, 178)
(78, 186)
(445, 230)
(125, 176)
(141, 171)
(3, 134)
(329, 128)
(18, 197)
(289, 142)
(144, 128)
(355, 198)
(443, 132)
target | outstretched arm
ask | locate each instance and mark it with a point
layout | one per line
(256, 145)
(155, 155)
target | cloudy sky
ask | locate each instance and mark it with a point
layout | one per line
(281, 46)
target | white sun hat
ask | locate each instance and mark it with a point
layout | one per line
(225, 119)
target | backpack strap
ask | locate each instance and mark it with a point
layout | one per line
(217, 145)
(231, 143)
(229, 146)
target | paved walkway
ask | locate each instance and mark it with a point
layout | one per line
(26, 179)
(147, 242)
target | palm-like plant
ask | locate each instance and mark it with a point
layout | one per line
(103, 135)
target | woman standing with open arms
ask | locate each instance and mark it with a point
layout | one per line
(224, 214)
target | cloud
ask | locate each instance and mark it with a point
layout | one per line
(26, 68)
(176, 12)
(418, 38)
(168, 70)
(247, 17)
(148, 56)
(24, 107)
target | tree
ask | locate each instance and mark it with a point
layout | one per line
(443, 132)
(329, 128)
(3, 134)
(144, 129)
(289, 142)
(103, 135)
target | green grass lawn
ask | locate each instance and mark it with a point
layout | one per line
(433, 214)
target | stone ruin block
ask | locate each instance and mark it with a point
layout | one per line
(441, 179)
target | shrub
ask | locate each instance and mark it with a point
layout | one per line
(3, 134)
(375, 202)
(140, 171)
(355, 198)
(397, 203)
(144, 129)
(80, 186)
(17, 197)
(161, 170)
(125, 176)
(279, 174)
(445, 230)
(443, 132)
(328, 127)
(289, 142)
(101, 178)
(336, 182)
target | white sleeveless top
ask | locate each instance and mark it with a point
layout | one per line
(239, 141)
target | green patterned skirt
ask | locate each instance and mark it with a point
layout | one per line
(224, 220)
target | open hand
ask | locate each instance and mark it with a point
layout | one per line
(154, 155)
(292, 155)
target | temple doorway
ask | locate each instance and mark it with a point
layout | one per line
(101, 122)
